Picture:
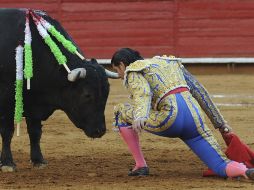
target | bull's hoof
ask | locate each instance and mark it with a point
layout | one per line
(8, 169)
(40, 165)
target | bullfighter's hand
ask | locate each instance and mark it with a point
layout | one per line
(138, 124)
(225, 128)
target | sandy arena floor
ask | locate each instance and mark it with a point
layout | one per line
(77, 162)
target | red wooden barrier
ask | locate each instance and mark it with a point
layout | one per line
(186, 28)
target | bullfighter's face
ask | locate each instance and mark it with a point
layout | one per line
(120, 69)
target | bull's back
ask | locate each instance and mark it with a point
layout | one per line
(12, 24)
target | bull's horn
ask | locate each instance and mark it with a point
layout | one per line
(76, 74)
(111, 74)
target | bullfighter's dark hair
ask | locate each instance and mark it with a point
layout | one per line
(125, 55)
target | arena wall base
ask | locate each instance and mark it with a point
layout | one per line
(210, 65)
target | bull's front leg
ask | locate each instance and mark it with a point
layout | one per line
(7, 130)
(34, 130)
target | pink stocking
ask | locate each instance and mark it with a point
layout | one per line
(235, 169)
(132, 140)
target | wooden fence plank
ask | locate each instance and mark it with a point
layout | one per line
(116, 16)
(187, 28)
(124, 6)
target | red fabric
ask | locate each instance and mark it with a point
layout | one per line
(237, 151)
(177, 90)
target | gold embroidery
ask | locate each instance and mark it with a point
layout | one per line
(141, 94)
(204, 100)
(158, 121)
(205, 132)
(148, 81)
(163, 75)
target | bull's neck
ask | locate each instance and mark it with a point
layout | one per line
(54, 99)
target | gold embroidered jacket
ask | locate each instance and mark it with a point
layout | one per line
(149, 80)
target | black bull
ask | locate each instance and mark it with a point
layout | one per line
(83, 100)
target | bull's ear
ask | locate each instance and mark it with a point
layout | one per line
(76, 74)
(93, 61)
(110, 74)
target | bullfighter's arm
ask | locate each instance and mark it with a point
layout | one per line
(199, 92)
(140, 92)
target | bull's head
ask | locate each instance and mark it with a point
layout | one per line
(87, 97)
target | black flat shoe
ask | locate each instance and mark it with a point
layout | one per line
(250, 173)
(144, 171)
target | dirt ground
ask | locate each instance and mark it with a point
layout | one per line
(78, 162)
